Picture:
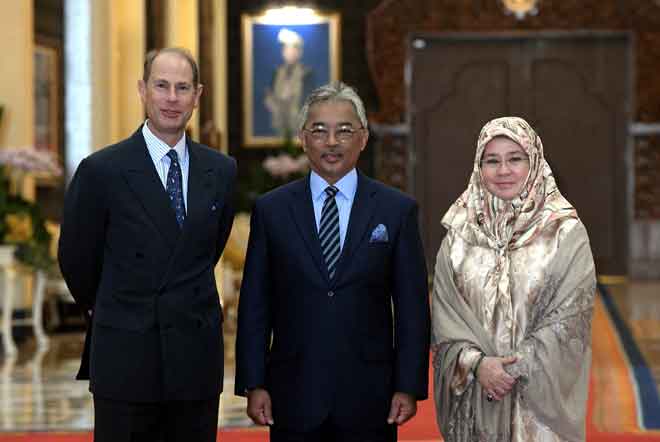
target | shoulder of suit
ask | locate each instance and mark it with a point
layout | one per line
(293, 189)
(210, 152)
(109, 155)
(209, 155)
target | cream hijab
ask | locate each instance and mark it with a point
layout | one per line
(482, 219)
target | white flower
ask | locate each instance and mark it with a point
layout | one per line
(30, 160)
(283, 165)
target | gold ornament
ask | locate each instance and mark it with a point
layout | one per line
(520, 8)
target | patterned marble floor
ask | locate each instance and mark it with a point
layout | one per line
(639, 305)
(38, 390)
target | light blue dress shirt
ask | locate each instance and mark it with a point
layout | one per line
(347, 187)
(158, 151)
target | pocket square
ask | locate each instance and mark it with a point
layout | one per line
(214, 206)
(379, 234)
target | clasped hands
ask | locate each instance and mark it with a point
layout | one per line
(260, 408)
(496, 382)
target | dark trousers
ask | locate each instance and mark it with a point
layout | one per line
(169, 421)
(329, 432)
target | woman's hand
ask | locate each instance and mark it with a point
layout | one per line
(492, 377)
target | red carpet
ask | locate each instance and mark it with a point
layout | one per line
(223, 436)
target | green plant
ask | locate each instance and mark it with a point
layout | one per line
(21, 221)
(23, 225)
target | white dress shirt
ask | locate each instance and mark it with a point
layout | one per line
(158, 151)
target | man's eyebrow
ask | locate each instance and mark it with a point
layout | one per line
(178, 83)
(341, 123)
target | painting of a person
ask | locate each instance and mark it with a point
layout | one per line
(291, 82)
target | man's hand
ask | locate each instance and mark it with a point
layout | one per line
(404, 406)
(492, 377)
(259, 407)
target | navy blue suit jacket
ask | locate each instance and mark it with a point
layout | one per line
(339, 347)
(155, 333)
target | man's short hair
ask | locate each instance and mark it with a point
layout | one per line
(334, 91)
(182, 52)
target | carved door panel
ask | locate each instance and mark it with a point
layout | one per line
(572, 88)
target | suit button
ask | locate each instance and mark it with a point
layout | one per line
(331, 294)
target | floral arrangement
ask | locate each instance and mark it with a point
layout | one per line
(284, 165)
(21, 221)
(280, 166)
(29, 160)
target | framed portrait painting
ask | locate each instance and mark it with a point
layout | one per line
(282, 63)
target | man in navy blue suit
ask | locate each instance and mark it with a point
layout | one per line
(333, 323)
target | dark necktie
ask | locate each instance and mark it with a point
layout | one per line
(175, 187)
(329, 230)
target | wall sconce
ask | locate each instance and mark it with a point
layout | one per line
(290, 15)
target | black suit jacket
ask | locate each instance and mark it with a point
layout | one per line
(155, 333)
(339, 347)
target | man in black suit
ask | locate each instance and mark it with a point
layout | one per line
(145, 222)
(333, 322)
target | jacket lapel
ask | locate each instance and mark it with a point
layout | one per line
(362, 211)
(302, 210)
(143, 179)
(200, 193)
(200, 190)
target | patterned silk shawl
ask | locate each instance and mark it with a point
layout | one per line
(513, 277)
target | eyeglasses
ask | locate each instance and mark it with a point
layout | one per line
(343, 134)
(515, 162)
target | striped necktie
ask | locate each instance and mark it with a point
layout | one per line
(329, 230)
(174, 187)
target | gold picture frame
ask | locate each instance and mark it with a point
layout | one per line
(273, 50)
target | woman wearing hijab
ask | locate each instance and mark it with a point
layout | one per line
(512, 302)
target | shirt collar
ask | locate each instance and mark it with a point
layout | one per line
(159, 149)
(347, 185)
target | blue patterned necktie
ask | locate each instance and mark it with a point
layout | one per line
(174, 187)
(329, 230)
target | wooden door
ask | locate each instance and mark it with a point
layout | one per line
(573, 88)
